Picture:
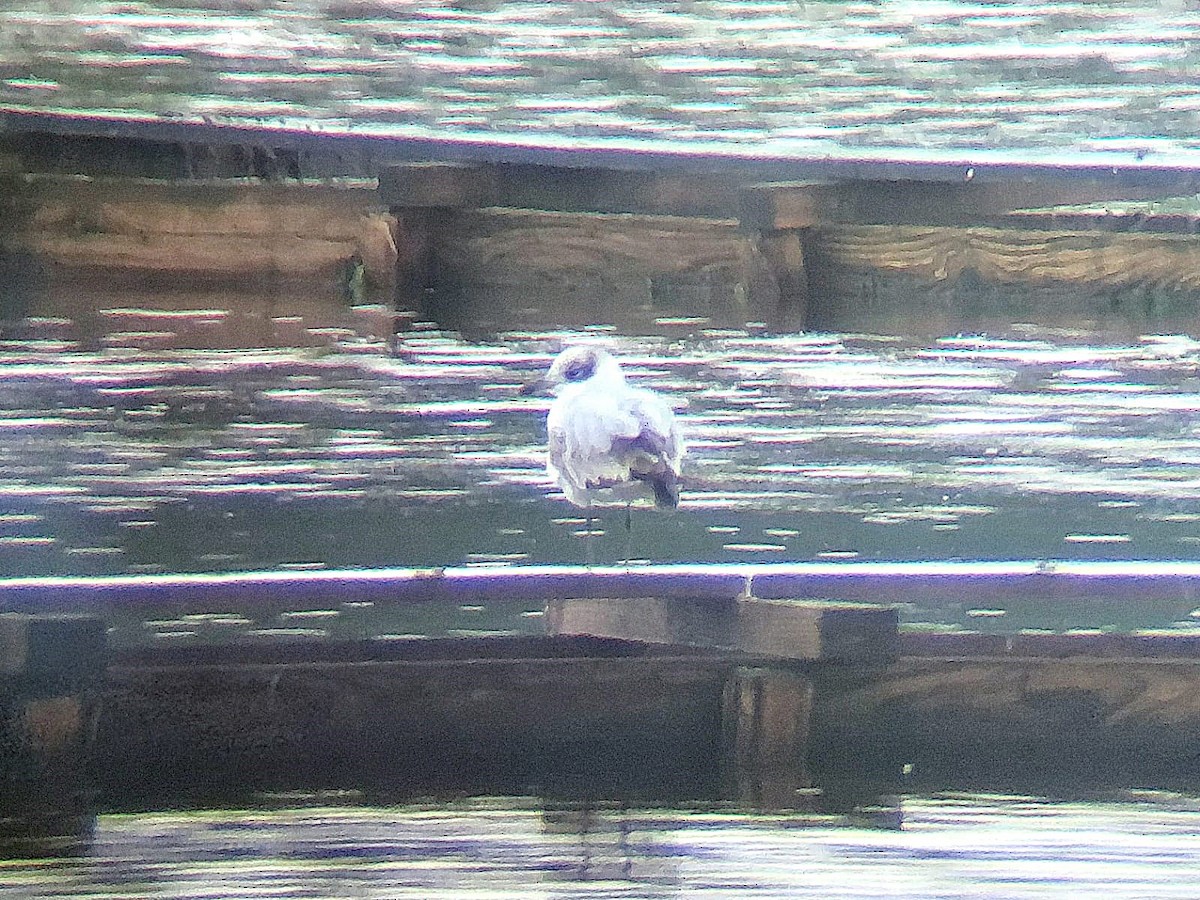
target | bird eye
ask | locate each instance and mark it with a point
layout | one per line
(575, 372)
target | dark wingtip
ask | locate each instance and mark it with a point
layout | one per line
(666, 492)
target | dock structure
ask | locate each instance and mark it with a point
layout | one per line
(715, 165)
(653, 684)
(346, 170)
(485, 237)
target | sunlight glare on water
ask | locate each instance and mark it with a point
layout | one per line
(963, 846)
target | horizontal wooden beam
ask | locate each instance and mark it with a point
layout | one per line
(969, 581)
(770, 206)
(613, 723)
(765, 206)
(1118, 220)
(779, 629)
(1065, 724)
(750, 162)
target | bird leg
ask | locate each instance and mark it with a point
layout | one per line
(589, 552)
(628, 533)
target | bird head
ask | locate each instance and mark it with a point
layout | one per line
(576, 365)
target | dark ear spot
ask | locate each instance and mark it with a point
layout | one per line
(580, 369)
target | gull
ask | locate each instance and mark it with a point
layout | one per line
(606, 437)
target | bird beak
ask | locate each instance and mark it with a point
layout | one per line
(537, 386)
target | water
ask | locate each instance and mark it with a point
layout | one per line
(948, 846)
(1038, 444)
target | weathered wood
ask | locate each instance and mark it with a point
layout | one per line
(970, 202)
(168, 247)
(605, 723)
(1107, 220)
(350, 152)
(1058, 721)
(997, 254)
(785, 252)
(1159, 645)
(610, 718)
(584, 269)
(99, 224)
(779, 629)
(950, 277)
(846, 632)
(416, 264)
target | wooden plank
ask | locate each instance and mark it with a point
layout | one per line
(955, 278)
(1160, 645)
(785, 252)
(169, 248)
(576, 268)
(968, 581)
(775, 206)
(619, 726)
(1008, 255)
(652, 620)
(764, 206)
(795, 629)
(1116, 220)
(1069, 722)
(780, 629)
(212, 256)
(242, 229)
(1165, 172)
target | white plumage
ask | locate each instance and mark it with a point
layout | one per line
(606, 437)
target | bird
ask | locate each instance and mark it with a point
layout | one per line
(606, 437)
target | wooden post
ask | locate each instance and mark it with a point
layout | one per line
(50, 669)
(784, 250)
(766, 725)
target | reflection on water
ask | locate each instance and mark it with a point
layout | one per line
(801, 447)
(948, 846)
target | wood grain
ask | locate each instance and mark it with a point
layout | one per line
(587, 268)
(943, 277)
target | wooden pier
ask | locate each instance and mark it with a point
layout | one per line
(651, 685)
(195, 235)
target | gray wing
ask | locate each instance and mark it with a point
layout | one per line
(655, 452)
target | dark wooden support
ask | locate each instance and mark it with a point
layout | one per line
(561, 717)
(50, 673)
(415, 261)
(784, 250)
(558, 189)
(767, 716)
(766, 708)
